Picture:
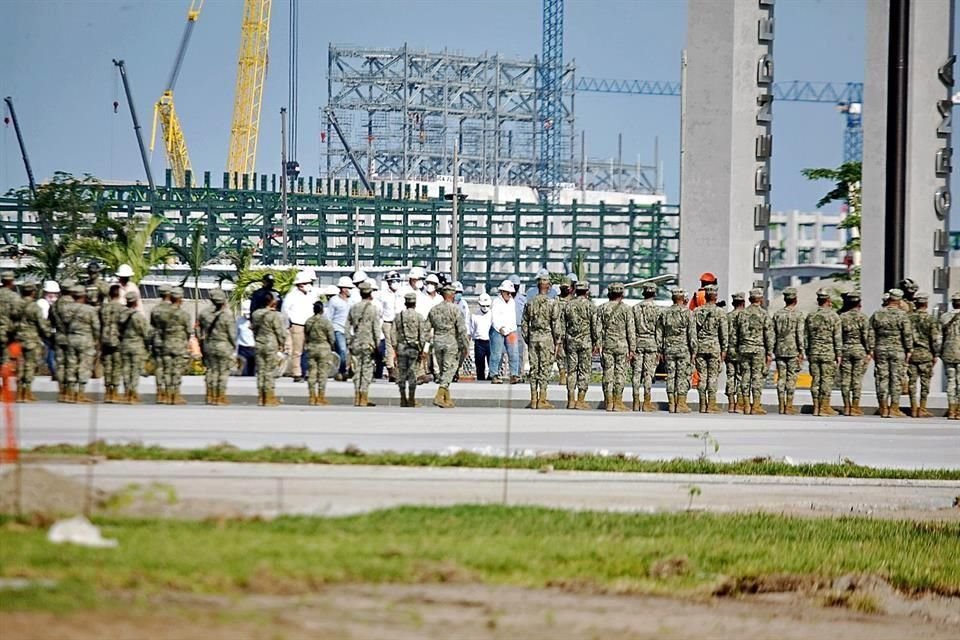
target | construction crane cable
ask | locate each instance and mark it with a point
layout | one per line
(293, 79)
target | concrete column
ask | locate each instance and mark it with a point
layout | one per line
(725, 125)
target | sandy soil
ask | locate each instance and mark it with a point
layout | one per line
(363, 612)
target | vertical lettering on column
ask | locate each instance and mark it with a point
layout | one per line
(943, 164)
(763, 147)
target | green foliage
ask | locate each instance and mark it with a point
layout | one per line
(846, 189)
(248, 280)
(127, 241)
(194, 256)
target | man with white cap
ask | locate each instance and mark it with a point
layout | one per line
(337, 310)
(503, 334)
(358, 276)
(391, 303)
(478, 327)
(127, 285)
(298, 307)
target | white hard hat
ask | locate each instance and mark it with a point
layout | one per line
(372, 283)
(507, 286)
(359, 275)
(124, 271)
(572, 277)
(432, 278)
(303, 278)
(416, 273)
(345, 283)
(484, 300)
(310, 272)
(51, 286)
(543, 273)
(458, 286)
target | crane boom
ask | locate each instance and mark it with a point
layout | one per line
(136, 122)
(23, 146)
(248, 97)
(164, 111)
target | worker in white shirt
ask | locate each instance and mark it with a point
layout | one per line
(504, 335)
(478, 327)
(358, 276)
(336, 310)
(391, 303)
(246, 343)
(51, 291)
(298, 308)
(127, 285)
(432, 298)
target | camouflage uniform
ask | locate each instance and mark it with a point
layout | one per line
(411, 333)
(540, 328)
(176, 340)
(319, 342)
(890, 339)
(450, 344)
(854, 326)
(135, 342)
(60, 334)
(158, 322)
(950, 354)
(270, 336)
(562, 301)
(218, 344)
(788, 349)
(615, 334)
(363, 331)
(677, 337)
(824, 347)
(645, 315)
(110, 313)
(32, 331)
(752, 337)
(576, 331)
(712, 338)
(83, 331)
(732, 388)
(926, 349)
(11, 306)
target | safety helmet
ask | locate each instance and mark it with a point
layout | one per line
(392, 276)
(706, 276)
(371, 282)
(433, 279)
(345, 283)
(359, 275)
(124, 271)
(303, 278)
(484, 300)
(507, 286)
(515, 279)
(572, 277)
(51, 286)
(416, 273)
(543, 274)
(458, 286)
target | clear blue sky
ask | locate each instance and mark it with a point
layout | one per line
(55, 61)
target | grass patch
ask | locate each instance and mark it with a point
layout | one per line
(552, 462)
(525, 546)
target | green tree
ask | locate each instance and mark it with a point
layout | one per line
(128, 241)
(194, 255)
(846, 189)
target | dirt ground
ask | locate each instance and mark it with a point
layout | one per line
(434, 612)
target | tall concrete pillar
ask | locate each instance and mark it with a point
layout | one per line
(924, 172)
(726, 145)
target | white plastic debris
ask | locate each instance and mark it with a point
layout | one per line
(79, 530)
(789, 460)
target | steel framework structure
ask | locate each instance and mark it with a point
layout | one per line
(403, 110)
(616, 242)
(551, 99)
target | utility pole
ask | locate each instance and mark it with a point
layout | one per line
(356, 238)
(455, 222)
(283, 182)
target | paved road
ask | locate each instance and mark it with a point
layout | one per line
(269, 489)
(870, 441)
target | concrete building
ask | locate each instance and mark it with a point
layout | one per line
(805, 246)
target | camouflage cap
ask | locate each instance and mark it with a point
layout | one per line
(131, 296)
(217, 296)
(78, 290)
(410, 297)
(886, 296)
(756, 292)
(365, 287)
(710, 288)
(176, 293)
(955, 296)
(896, 294)
(7, 276)
(163, 290)
(677, 291)
(852, 296)
(649, 287)
(823, 293)
(582, 285)
(739, 296)
(67, 283)
(28, 287)
(790, 292)
(448, 288)
(921, 296)
(615, 287)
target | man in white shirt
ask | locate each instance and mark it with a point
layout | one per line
(391, 303)
(504, 335)
(246, 343)
(336, 310)
(358, 276)
(431, 297)
(478, 327)
(298, 308)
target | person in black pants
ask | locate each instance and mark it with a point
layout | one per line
(479, 329)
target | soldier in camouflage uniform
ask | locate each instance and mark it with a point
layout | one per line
(824, 337)
(176, 340)
(891, 341)
(732, 389)
(855, 327)
(450, 344)
(319, 343)
(411, 334)
(110, 312)
(83, 331)
(788, 349)
(218, 344)
(752, 337)
(363, 337)
(94, 281)
(32, 331)
(135, 342)
(271, 338)
(677, 338)
(158, 322)
(712, 338)
(540, 328)
(926, 348)
(614, 335)
(645, 315)
(950, 354)
(576, 331)
(566, 295)
(10, 310)
(909, 288)
(60, 334)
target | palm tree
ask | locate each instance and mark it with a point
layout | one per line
(194, 256)
(48, 260)
(125, 242)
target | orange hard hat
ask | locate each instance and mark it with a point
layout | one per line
(708, 277)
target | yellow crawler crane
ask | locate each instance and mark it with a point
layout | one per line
(251, 75)
(178, 158)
